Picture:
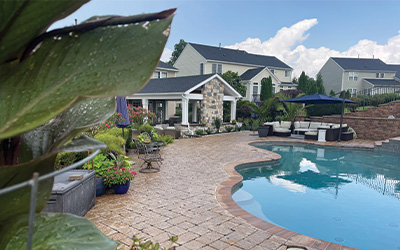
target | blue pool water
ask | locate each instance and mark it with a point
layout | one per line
(346, 196)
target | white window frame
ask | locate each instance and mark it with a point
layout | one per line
(156, 74)
(164, 75)
(353, 76)
(353, 92)
(255, 84)
(382, 75)
(287, 73)
(216, 68)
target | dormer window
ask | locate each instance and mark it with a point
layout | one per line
(353, 76)
(380, 75)
(287, 73)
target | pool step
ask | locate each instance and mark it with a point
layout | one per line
(390, 145)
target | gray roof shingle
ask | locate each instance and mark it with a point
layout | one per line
(361, 64)
(249, 74)
(173, 84)
(395, 67)
(164, 65)
(289, 83)
(237, 56)
(383, 82)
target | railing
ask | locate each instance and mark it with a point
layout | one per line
(34, 183)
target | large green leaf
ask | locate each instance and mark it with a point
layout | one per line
(55, 231)
(64, 127)
(17, 202)
(107, 61)
(23, 20)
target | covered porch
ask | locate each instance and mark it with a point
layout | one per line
(208, 92)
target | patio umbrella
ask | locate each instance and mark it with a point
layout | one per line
(322, 99)
(123, 109)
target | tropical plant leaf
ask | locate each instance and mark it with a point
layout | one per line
(17, 202)
(55, 231)
(64, 127)
(106, 61)
(22, 21)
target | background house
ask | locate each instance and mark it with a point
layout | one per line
(197, 59)
(360, 76)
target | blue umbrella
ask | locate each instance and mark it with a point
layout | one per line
(317, 99)
(322, 99)
(123, 109)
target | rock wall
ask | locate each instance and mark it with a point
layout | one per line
(212, 104)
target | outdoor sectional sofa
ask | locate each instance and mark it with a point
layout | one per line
(309, 129)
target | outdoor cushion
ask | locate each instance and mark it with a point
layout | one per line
(311, 133)
(281, 130)
(276, 124)
(285, 124)
(314, 125)
(304, 124)
(296, 125)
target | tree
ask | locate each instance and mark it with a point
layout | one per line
(332, 93)
(266, 89)
(303, 82)
(320, 84)
(264, 111)
(235, 81)
(53, 87)
(178, 48)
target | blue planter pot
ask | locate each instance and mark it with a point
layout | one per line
(122, 189)
(100, 187)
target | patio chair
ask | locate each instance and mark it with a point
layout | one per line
(148, 154)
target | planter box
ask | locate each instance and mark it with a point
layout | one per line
(263, 131)
(74, 197)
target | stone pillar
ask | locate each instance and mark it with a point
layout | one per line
(145, 103)
(233, 110)
(185, 111)
(194, 111)
(212, 103)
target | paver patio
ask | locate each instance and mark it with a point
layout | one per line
(186, 198)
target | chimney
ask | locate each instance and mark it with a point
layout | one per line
(373, 56)
(219, 45)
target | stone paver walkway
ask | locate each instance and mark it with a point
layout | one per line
(181, 198)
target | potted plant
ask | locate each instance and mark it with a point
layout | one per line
(246, 123)
(290, 109)
(100, 163)
(119, 175)
(218, 123)
(263, 112)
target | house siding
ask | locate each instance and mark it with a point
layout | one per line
(332, 75)
(361, 75)
(189, 61)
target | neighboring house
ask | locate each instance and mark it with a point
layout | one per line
(205, 91)
(360, 76)
(197, 59)
(164, 70)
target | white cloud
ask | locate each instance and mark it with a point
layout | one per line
(166, 55)
(287, 46)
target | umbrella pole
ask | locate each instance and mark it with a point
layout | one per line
(341, 117)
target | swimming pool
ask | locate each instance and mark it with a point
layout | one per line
(346, 196)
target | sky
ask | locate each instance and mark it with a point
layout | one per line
(303, 34)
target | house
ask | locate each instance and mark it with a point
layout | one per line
(208, 91)
(197, 59)
(164, 70)
(367, 76)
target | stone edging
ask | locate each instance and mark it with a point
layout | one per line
(224, 197)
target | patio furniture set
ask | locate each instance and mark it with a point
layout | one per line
(149, 153)
(311, 130)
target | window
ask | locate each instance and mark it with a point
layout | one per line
(353, 92)
(287, 73)
(255, 88)
(156, 74)
(353, 76)
(272, 71)
(201, 68)
(382, 75)
(281, 88)
(217, 68)
(289, 87)
(135, 103)
(273, 88)
(164, 74)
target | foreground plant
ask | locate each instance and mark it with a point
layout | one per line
(137, 244)
(53, 86)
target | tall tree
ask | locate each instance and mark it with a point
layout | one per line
(178, 48)
(311, 86)
(303, 80)
(266, 89)
(320, 84)
(235, 81)
(332, 93)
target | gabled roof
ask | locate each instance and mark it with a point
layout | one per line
(364, 64)
(383, 82)
(182, 85)
(163, 65)
(395, 67)
(249, 74)
(173, 84)
(237, 56)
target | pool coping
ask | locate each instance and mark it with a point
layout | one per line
(224, 197)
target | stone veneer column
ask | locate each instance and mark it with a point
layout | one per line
(212, 104)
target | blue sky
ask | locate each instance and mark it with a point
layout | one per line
(301, 33)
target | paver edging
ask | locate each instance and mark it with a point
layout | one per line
(224, 198)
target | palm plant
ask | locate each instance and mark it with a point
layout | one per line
(264, 111)
(290, 109)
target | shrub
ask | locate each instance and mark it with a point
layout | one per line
(146, 128)
(234, 122)
(139, 115)
(323, 109)
(114, 143)
(218, 123)
(65, 159)
(228, 128)
(168, 139)
(198, 131)
(100, 163)
(208, 131)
